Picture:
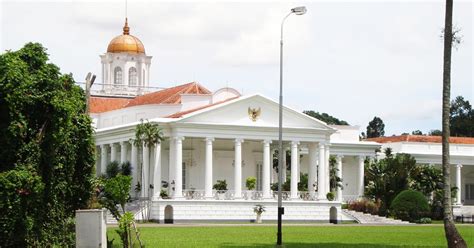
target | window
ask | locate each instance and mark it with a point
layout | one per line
(469, 192)
(132, 76)
(118, 75)
(259, 176)
(184, 176)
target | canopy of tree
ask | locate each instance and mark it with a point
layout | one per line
(461, 118)
(328, 119)
(46, 150)
(375, 128)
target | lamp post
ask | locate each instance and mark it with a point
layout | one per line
(297, 11)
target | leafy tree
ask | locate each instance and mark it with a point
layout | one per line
(435, 132)
(375, 128)
(334, 181)
(46, 150)
(328, 119)
(417, 132)
(461, 118)
(453, 238)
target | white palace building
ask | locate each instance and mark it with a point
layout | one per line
(223, 135)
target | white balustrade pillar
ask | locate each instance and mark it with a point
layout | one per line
(266, 169)
(294, 170)
(178, 187)
(157, 172)
(360, 181)
(113, 152)
(103, 158)
(145, 170)
(339, 174)
(458, 184)
(312, 164)
(134, 163)
(238, 169)
(321, 172)
(208, 168)
(123, 152)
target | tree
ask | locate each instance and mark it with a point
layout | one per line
(461, 118)
(453, 237)
(46, 150)
(328, 119)
(435, 132)
(417, 132)
(375, 128)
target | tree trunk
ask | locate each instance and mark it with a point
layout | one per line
(453, 237)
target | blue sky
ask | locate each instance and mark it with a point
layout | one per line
(352, 59)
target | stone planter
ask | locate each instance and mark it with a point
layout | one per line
(259, 218)
(91, 228)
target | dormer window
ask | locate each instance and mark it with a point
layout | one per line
(118, 76)
(132, 76)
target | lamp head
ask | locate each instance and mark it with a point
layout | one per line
(299, 10)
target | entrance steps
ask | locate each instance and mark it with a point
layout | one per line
(364, 218)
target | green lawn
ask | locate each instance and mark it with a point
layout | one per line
(298, 236)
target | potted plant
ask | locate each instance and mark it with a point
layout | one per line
(250, 183)
(259, 209)
(221, 188)
(330, 196)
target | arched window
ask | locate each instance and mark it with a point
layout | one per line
(132, 76)
(143, 77)
(118, 75)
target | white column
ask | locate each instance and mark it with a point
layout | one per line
(134, 163)
(458, 184)
(266, 169)
(157, 172)
(360, 181)
(327, 179)
(238, 169)
(103, 158)
(123, 151)
(178, 186)
(294, 170)
(312, 164)
(113, 152)
(339, 174)
(284, 164)
(208, 168)
(145, 170)
(321, 170)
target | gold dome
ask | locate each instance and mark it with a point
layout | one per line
(125, 43)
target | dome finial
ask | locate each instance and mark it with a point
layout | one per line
(126, 29)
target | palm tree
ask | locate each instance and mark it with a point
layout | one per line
(147, 134)
(453, 237)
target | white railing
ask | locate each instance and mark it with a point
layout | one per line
(349, 198)
(252, 195)
(192, 194)
(285, 195)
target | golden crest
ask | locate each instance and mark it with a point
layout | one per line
(254, 113)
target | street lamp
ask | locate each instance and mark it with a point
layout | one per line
(298, 11)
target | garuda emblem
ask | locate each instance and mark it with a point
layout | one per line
(254, 113)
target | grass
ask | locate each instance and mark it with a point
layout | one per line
(297, 236)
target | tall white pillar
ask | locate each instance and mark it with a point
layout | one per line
(339, 174)
(284, 164)
(458, 184)
(103, 158)
(294, 170)
(134, 163)
(321, 172)
(178, 187)
(238, 169)
(145, 170)
(313, 161)
(360, 181)
(266, 169)
(327, 178)
(123, 151)
(157, 172)
(208, 168)
(113, 152)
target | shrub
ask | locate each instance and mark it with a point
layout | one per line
(221, 185)
(330, 196)
(365, 205)
(410, 205)
(250, 183)
(424, 221)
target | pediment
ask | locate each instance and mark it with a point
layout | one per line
(254, 110)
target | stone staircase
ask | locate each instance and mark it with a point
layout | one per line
(364, 218)
(138, 209)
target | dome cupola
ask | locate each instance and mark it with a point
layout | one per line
(126, 43)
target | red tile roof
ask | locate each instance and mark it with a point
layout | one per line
(422, 138)
(183, 113)
(100, 104)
